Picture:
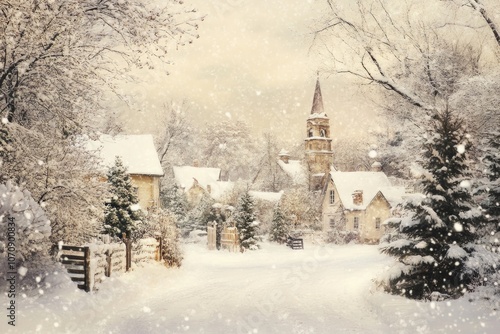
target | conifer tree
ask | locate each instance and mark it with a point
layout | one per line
(199, 216)
(492, 161)
(279, 227)
(122, 214)
(175, 201)
(246, 222)
(437, 232)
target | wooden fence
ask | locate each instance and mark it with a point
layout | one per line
(230, 239)
(77, 262)
(295, 243)
(89, 265)
(212, 237)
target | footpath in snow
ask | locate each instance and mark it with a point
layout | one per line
(321, 289)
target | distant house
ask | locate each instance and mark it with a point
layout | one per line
(360, 201)
(197, 181)
(141, 159)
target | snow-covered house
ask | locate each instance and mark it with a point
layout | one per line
(197, 181)
(359, 201)
(141, 159)
(294, 169)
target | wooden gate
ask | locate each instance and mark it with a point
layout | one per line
(230, 239)
(77, 261)
(212, 237)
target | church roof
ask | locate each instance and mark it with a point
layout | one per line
(370, 183)
(317, 105)
(137, 152)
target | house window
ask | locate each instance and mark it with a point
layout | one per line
(356, 223)
(332, 196)
(377, 223)
(332, 223)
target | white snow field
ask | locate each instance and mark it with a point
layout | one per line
(321, 289)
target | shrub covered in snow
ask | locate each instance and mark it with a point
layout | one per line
(162, 223)
(24, 230)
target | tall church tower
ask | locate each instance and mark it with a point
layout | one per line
(318, 144)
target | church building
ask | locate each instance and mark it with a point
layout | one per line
(318, 143)
(351, 201)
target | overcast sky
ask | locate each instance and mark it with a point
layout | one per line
(252, 62)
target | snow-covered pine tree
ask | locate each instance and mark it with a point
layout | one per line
(122, 213)
(492, 162)
(199, 216)
(174, 200)
(246, 223)
(437, 232)
(279, 227)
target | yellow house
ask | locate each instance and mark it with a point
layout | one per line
(197, 181)
(141, 159)
(359, 202)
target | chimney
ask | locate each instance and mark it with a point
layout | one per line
(376, 167)
(284, 156)
(357, 197)
(196, 163)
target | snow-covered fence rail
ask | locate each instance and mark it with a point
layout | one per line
(90, 264)
(146, 250)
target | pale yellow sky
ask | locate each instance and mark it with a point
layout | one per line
(252, 63)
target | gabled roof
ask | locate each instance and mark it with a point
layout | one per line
(138, 153)
(295, 170)
(187, 176)
(371, 183)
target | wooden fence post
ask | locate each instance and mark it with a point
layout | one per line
(128, 254)
(159, 248)
(107, 271)
(86, 268)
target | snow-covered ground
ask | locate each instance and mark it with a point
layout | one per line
(274, 290)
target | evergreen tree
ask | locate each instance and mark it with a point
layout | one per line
(246, 222)
(175, 201)
(279, 227)
(437, 232)
(200, 215)
(492, 161)
(122, 214)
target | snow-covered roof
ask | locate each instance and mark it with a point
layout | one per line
(295, 170)
(283, 152)
(370, 183)
(185, 177)
(317, 115)
(138, 153)
(266, 196)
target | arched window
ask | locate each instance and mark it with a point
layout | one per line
(322, 133)
(310, 133)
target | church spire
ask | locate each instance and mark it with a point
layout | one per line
(317, 106)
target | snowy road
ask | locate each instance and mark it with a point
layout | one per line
(274, 290)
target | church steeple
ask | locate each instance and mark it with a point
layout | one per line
(317, 105)
(318, 143)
